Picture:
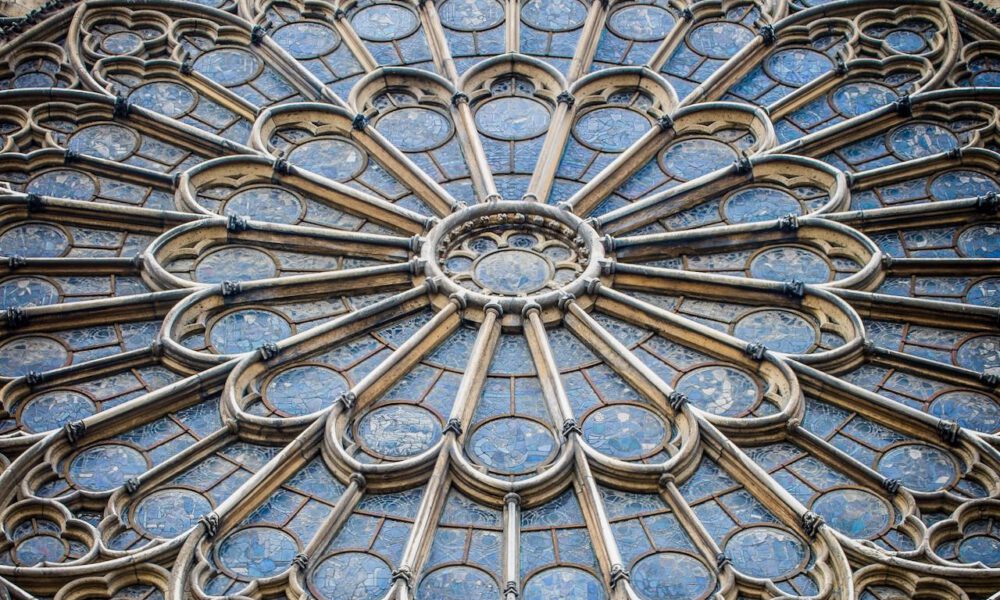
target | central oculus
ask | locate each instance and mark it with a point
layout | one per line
(512, 253)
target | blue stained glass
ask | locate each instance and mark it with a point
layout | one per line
(564, 583)
(54, 409)
(958, 183)
(63, 183)
(21, 356)
(688, 159)
(266, 203)
(415, 129)
(980, 241)
(512, 445)
(458, 583)
(786, 263)
(554, 15)
(974, 410)
(228, 66)
(471, 15)
(916, 140)
(756, 204)
(111, 142)
(984, 547)
(720, 39)
(513, 272)
(798, 66)
(906, 41)
(723, 391)
(853, 99)
(235, 264)
(256, 552)
(641, 23)
(306, 40)
(512, 118)
(304, 390)
(171, 512)
(106, 466)
(779, 330)
(671, 576)
(981, 354)
(766, 551)
(39, 548)
(611, 129)
(399, 430)
(22, 292)
(384, 22)
(246, 330)
(122, 42)
(165, 97)
(853, 512)
(351, 576)
(33, 240)
(919, 467)
(625, 432)
(338, 160)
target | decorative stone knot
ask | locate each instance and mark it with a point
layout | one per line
(811, 523)
(211, 524)
(269, 351)
(74, 430)
(949, 430)
(756, 350)
(677, 400)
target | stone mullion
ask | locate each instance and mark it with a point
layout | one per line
(670, 43)
(512, 27)
(589, 38)
(297, 74)
(438, 43)
(511, 546)
(472, 147)
(606, 546)
(420, 541)
(548, 371)
(357, 47)
(560, 126)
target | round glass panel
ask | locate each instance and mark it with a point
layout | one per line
(554, 15)
(787, 263)
(40, 548)
(980, 548)
(415, 129)
(458, 583)
(512, 445)
(235, 264)
(63, 183)
(644, 23)
(779, 330)
(920, 467)
(721, 39)
(384, 22)
(268, 204)
(306, 40)
(512, 118)
(110, 142)
(246, 330)
(512, 272)
(170, 512)
(122, 42)
(471, 15)
(985, 293)
(798, 66)
(853, 99)
(33, 240)
(611, 129)
(351, 576)
(916, 140)
(973, 410)
(564, 583)
(106, 466)
(959, 183)
(671, 576)
(165, 97)
(399, 430)
(24, 292)
(692, 158)
(981, 354)
(752, 205)
(257, 552)
(719, 390)
(334, 159)
(766, 552)
(980, 241)
(29, 354)
(624, 431)
(304, 390)
(51, 410)
(228, 67)
(855, 513)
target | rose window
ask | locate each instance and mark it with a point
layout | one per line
(482, 300)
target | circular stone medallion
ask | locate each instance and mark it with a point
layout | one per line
(512, 445)
(399, 430)
(512, 272)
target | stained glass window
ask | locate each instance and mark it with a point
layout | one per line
(500, 300)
